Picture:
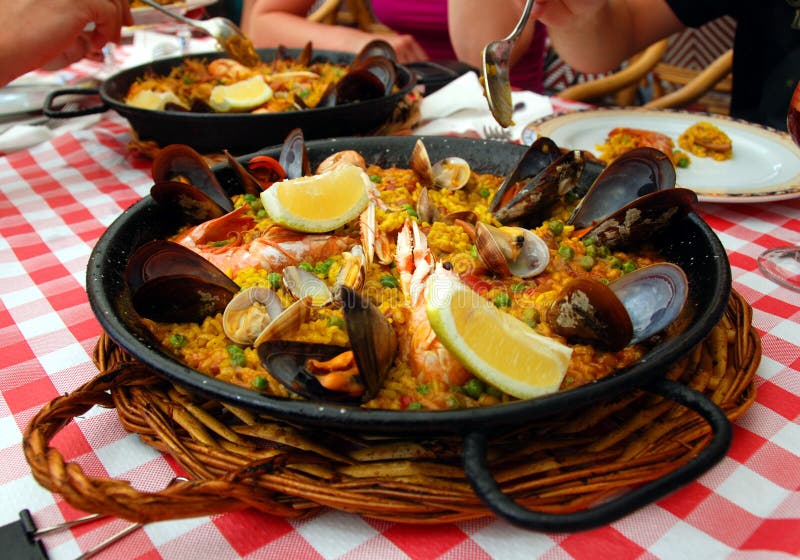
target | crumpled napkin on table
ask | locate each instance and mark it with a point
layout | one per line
(460, 107)
(31, 132)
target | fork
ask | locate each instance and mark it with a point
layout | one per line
(494, 132)
(228, 35)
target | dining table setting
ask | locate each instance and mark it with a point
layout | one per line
(124, 460)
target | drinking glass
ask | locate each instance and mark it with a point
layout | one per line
(782, 264)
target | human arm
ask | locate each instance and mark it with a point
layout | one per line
(474, 23)
(53, 34)
(270, 23)
(597, 35)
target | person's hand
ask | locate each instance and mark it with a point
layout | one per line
(53, 34)
(405, 47)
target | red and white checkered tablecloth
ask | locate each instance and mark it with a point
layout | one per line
(58, 197)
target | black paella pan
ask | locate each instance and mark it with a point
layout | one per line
(690, 243)
(239, 133)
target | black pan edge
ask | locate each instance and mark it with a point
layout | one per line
(242, 133)
(690, 243)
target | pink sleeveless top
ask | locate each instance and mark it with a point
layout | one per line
(426, 20)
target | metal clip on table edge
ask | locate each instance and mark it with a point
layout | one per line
(21, 539)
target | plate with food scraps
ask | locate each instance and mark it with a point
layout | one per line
(765, 166)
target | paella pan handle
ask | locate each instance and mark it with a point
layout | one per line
(58, 111)
(487, 488)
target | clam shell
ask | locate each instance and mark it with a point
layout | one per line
(249, 313)
(302, 283)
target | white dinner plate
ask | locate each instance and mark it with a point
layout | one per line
(148, 16)
(765, 166)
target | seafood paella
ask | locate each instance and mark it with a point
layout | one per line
(416, 287)
(286, 83)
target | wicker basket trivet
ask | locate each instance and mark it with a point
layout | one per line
(237, 460)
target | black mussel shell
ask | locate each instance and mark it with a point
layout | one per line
(169, 282)
(643, 218)
(359, 85)
(633, 174)
(286, 361)
(544, 190)
(541, 153)
(586, 310)
(187, 201)
(376, 47)
(250, 183)
(181, 161)
(372, 339)
(294, 155)
(180, 299)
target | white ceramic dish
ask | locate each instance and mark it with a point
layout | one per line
(765, 166)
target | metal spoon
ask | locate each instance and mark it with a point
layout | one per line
(496, 80)
(228, 35)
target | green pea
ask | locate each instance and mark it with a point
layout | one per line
(177, 341)
(565, 252)
(306, 266)
(410, 211)
(323, 267)
(587, 262)
(605, 281)
(274, 279)
(250, 198)
(375, 178)
(236, 355)
(484, 192)
(603, 251)
(683, 162)
(389, 281)
(414, 406)
(518, 287)
(629, 266)
(334, 321)
(423, 389)
(453, 401)
(259, 382)
(556, 227)
(530, 316)
(502, 300)
(261, 214)
(588, 241)
(591, 250)
(614, 262)
(473, 252)
(493, 391)
(473, 388)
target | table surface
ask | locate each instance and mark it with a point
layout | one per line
(57, 198)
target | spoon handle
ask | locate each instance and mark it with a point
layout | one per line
(522, 21)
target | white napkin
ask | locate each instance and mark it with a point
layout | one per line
(460, 106)
(25, 135)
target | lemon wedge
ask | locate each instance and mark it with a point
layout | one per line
(154, 100)
(240, 96)
(318, 203)
(493, 345)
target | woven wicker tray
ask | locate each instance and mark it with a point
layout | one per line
(235, 459)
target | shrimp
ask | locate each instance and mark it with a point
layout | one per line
(224, 243)
(419, 346)
(229, 69)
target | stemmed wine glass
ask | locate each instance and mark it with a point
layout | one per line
(782, 264)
